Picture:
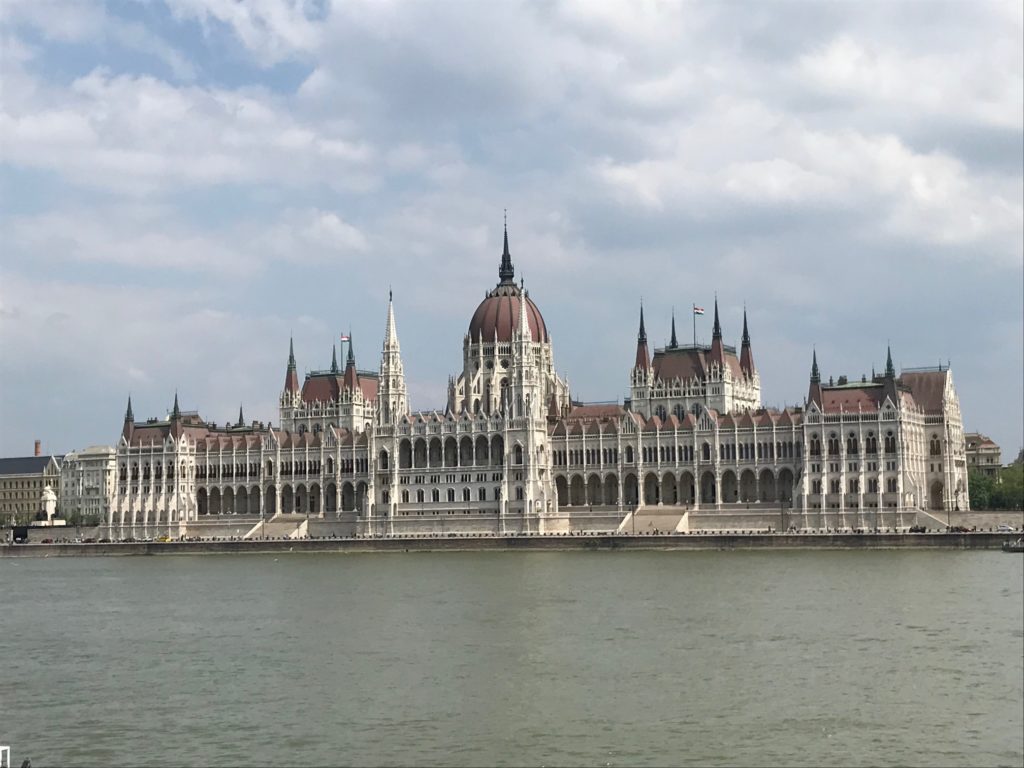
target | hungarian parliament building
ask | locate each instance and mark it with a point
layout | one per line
(513, 453)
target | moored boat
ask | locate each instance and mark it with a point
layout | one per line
(1014, 546)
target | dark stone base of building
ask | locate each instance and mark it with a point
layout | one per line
(694, 542)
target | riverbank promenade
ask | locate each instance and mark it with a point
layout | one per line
(738, 540)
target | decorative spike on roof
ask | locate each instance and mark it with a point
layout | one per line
(351, 360)
(334, 358)
(506, 272)
(176, 412)
(643, 357)
(291, 378)
(890, 369)
(291, 352)
(716, 332)
(128, 415)
(815, 373)
(241, 418)
(642, 336)
(673, 343)
(746, 354)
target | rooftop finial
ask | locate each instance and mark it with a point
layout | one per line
(506, 272)
(176, 413)
(815, 373)
(673, 343)
(128, 415)
(241, 418)
(291, 351)
(716, 333)
(351, 355)
(746, 333)
(890, 369)
(334, 358)
(642, 336)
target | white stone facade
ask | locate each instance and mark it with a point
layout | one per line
(512, 453)
(87, 483)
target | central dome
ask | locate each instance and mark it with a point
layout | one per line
(498, 314)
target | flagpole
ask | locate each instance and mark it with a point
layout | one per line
(693, 311)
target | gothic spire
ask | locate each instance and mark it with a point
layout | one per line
(128, 415)
(506, 272)
(746, 354)
(291, 378)
(716, 333)
(351, 360)
(390, 331)
(176, 412)
(673, 343)
(334, 358)
(815, 373)
(241, 418)
(643, 358)
(890, 369)
(717, 347)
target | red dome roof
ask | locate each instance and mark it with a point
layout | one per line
(498, 314)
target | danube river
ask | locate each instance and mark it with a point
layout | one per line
(521, 658)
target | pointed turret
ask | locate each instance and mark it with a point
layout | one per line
(392, 402)
(673, 343)
(390, 332)
(814, 390)
(643, 357)
(291, 377)
(241, 418)
(717, 347)
(351, 381)
(129, 422)
(176, 428)
(746, 355)
(890, 369)
(334, 358)
(506, 272)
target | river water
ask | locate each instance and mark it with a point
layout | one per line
(560, 658)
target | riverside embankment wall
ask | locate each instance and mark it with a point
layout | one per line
(979, 540)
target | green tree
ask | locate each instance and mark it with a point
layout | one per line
(981, 486)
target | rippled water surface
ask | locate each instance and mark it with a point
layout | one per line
(638, 658)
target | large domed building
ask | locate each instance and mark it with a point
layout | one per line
(691, 448)
(500, 356)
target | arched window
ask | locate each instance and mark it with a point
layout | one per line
(435, 495)
(466, 494)
(405, 497)
(833, 444)
(890, 442)
(815, 445)
(302, 429)
(851, 443)
(419, 495)
(660, 410)
(451, 495)
(384, 460)
(629, 454)
(517, 454)
(482, 494)
(935, 447)
(706, 451)
(871, 443)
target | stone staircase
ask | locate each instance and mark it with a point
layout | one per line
(280, 526)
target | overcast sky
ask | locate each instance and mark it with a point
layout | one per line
(187, 183)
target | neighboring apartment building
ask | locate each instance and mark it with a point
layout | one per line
(22, 481)
(87, 484)
(983, 455)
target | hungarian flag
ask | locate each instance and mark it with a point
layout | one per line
(346, 337)
(698, 310)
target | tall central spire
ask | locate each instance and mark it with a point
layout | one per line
(506, 272)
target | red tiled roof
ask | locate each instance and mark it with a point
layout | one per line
(689, 363)
(850, 399)
(927, 387)
(498, 314)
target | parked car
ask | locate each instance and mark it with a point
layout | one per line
(1004, 528)
(918, 529)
